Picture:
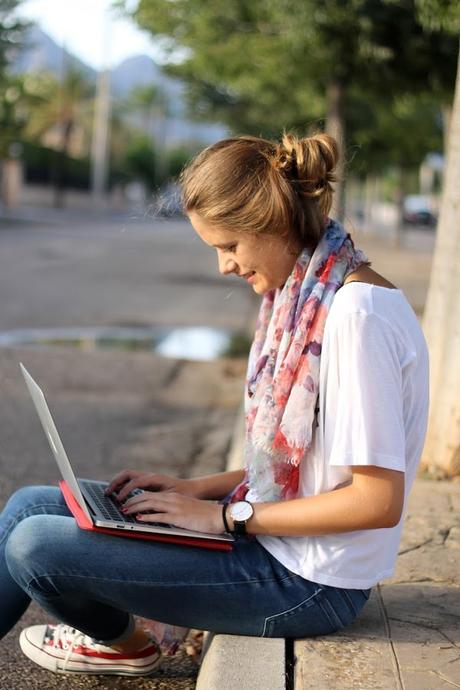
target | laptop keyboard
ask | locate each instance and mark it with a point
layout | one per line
(109, 507)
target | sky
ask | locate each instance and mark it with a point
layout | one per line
(91, 30)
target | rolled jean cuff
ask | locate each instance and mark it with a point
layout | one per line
(128, 631)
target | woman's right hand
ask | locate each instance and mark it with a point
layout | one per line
(127, 481)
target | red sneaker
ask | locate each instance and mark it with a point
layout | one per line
(63, 649)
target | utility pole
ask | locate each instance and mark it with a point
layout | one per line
(99, 146)
(100, 140)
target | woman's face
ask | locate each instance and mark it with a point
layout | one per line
(264, 261)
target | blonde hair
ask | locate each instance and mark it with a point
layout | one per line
(255, 185)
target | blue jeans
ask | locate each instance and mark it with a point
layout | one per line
(95, 582)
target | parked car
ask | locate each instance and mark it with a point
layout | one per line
(417, 211)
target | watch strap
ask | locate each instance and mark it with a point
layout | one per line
(239, 528)
(224, 518)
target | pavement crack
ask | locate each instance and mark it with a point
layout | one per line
(445, 534)
(419, 581)
(174, 372)
(443, 677)
(394, 656)
(414, 548)
(427, 626)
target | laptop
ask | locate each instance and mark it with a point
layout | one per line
(93, 509)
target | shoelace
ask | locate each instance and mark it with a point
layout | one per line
(63, 634)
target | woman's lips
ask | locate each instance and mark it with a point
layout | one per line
(249, 276)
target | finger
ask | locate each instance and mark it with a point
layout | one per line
(144, 481)
(155, 497)
(147, 501)
(138, 482)
(155, 517)
(119, 479)
(140, 505)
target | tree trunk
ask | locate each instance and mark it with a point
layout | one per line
(442, 318)
(62, 158)
(400, 196)
(335, 126)
(446, 111)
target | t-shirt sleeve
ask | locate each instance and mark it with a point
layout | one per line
(368, 428)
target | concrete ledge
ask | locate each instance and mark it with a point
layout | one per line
(246, 663)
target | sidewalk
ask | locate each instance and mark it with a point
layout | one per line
(408, 636)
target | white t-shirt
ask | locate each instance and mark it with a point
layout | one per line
(373, 408)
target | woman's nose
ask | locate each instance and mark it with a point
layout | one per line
(226, 265)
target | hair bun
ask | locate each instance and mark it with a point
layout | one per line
(309, 163)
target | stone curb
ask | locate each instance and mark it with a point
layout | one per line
(246, 663)
(238, 661)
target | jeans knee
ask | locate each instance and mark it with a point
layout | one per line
(29, 496)
(27, 549)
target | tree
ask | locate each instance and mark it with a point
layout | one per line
(13, 113)
(392, 136)
(11, 121)
(11, 32)
(150, 102)
(140, 161)
(442, 311)
(63, 106)
(264, 64)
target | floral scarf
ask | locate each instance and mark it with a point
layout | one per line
(283, 371)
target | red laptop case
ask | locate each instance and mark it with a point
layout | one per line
(84, 523)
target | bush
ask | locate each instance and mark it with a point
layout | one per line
(42, 166)
(140, 161)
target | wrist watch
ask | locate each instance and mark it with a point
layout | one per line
(240, 512)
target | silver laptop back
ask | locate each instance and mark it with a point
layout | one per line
(53, 438)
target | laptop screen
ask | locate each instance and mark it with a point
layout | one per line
(53, 437)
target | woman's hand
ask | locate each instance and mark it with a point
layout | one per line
(176, 509)
(127, 481)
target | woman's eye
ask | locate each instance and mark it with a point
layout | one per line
(231, 249)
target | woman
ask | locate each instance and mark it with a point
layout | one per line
(336, 409)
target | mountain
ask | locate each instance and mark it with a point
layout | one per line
(141, 70)
(41, 53)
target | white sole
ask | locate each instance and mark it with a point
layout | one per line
(103, 667)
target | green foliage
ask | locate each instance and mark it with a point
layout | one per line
(40, 165)
(396, 131)
(241, 66)
(176, 160)
(64, 103)
(140, 161)
(11, 31)
(13, 113)
(264, 65)
(440, 15)
(12, 116)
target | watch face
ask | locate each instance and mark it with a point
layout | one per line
(241, 510)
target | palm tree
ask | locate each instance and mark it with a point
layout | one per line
(150, 102)
(64, 106)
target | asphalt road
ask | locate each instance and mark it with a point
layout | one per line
(114, 409)
(117, 272)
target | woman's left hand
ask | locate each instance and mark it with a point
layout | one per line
(176, 509)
